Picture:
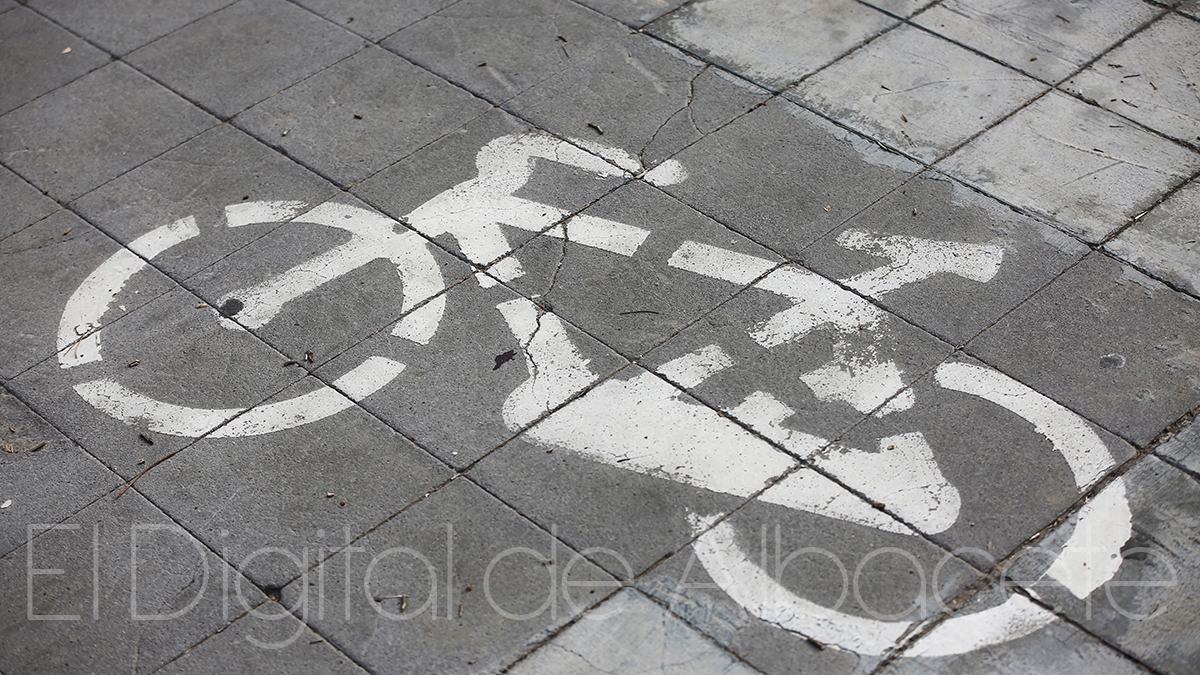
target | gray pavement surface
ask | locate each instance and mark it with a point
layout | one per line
(600, 336)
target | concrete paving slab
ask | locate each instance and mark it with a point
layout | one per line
(1183, 448)
(635, 13)
(1164, 242)
(417, 593)
(1142, 600)
(473, 373)
(916, 92)
(1127, 362)
(92, 130)
(40, 57)
(620, 472)
(191, 372)
(1055, 646)
(217, 179)
(797, 358)
(784, 177)
(360, 115)
(40, 268)
(792, 591)
(1092, 174)
(104, 575)
(265, 46)
(1190, 8)
(21, 203)
(974, 426)
(642, 97)
(635, 290)
(120, 26)
(499, 51)
(327, 279)
(267, 640)
(976, 258)
(1050, 40)
(330, 481)
(375, 19)
(904, 8)
(629, 633)
(490, 186)
(46, 476)
(1152, 79)
(770, 42)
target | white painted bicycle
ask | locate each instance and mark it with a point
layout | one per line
(721, 457)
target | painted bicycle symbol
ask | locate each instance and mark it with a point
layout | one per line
(475, 212)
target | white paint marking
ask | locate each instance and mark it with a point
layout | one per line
(474, 211)
(252, 213)
(88, 304)
(421, 325)
(904, 476)
(719, 263)
(670, 172)
(165, 418)
(1015, 617)
(807, 490)
(914, 259)
(373, 237)
(818, 302)
(648, 426)
(766, 414)
(367, 378)
(601, 233)
(692, 369)
(1091, 555)
(860, 380)
(556, 368)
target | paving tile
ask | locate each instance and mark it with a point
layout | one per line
(327, 279)
(642, 97)
(1052, 646)
(916, 92)
(421, 590)
(771, 42)
(905, 8)
(268, 640)
(1164, 241)
(94, 129)
(375, 19)
(21, 203)
(39, 57)
(213, 178)
(637, 266)
(501, 50)
(1153, 79)
(1050, 40)
(797, 358)
(274, 503)
(619, 472)
(180, 388)
(360, 115)
(264, 47)
(629, 633)
(979, 461)
(490, 186)
(1143, 598)
(132, 587)
(1092, 171)
(1190, 8)
(120, 26)
(784, 177)
(40, 269)
(6, 5)
(975, 258)
(633, 12)
(1184, 448)
(1107, 342)
(789, 590)
(46, 476)
(472, 375)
